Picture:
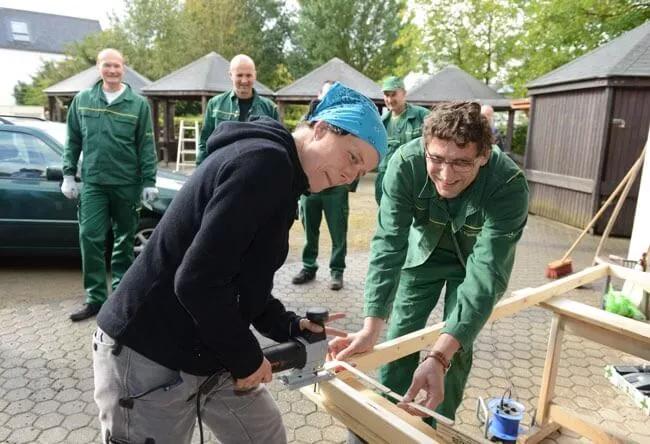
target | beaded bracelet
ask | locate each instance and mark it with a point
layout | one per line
(438, 356)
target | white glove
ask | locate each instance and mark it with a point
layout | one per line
(69, 187)
(149, 194)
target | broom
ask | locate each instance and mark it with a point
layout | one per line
(564, 266)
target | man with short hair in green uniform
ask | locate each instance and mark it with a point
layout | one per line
(403, 123)
(241, 103)
(112, 126)
(335, 204)
(453, 210)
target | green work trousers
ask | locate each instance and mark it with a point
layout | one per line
(417, 295)
(334, 203)
(101, 208)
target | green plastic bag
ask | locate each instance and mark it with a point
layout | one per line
(616, 302)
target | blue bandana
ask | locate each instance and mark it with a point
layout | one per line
(352, 111)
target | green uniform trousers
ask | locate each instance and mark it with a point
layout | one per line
(104, 207)
(417, 295)
(334, 203)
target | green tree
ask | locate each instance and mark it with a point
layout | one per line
(81, 55)
(258, 28)
(158, 36)
(558, 31)
(374, 37)
(478, 36)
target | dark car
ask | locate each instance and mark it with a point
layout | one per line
(35, 217)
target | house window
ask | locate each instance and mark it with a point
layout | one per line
(19, 31)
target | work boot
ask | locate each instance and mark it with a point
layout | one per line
(336, 282)
(87, 311)
(303, 277)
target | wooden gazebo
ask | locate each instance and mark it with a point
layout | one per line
(452, 83)
(199, 80)
(305, 89)
(60, 94)
(589, 122)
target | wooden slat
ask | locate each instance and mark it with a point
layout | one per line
(608, 338)
(585, 428)
(638, 277)
(549, 375)
(538, 434)
(623, 328)
(354, 404)
(413, 342)
(383, 425)
(561, 181)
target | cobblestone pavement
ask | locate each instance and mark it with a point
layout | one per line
(46, 379)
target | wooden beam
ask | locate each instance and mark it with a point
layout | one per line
(281, 110)
(587, 429)
(510, 129)
(549, 375)
(538, 434)
(617, 331)
(638, 277)
(385, 426)
(357, 407)
(413, 342)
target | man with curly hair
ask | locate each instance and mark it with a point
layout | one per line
(453, 210)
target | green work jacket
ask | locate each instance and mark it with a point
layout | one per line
(489, 221)
(225, 107)
(116, 139)
(409, 128)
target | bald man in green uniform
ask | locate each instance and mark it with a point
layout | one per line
(241, 103)
(453, 209)
(403, 123)
(112, 126)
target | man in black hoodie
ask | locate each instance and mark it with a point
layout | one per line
(183, 311)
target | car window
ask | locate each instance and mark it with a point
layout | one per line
(25, 155)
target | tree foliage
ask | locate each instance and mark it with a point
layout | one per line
(503, 41)
(81, 56)
(556, 31)
(258, 28)
(478, 36)
(369, 35)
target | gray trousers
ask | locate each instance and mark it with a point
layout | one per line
(142, 402)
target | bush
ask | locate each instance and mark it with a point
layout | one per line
(519, 139)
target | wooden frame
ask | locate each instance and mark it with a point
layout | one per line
(377, 420)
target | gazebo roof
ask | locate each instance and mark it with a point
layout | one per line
(452, 83)
(626, 56)
(87, 78)
(307, 87)
(205, 76)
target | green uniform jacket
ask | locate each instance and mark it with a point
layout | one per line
(410, 128)
(225, 107)
(116, 139)
(490, 220)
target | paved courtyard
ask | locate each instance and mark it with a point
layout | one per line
(46, 381)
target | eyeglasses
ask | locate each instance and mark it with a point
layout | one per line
(458, 165)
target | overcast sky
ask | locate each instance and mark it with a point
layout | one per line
(98, 10)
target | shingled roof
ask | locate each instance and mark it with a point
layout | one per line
(40, 32)
(207, 75)
(452, 83)
(307, 87)
(86, 79)
(626, 56)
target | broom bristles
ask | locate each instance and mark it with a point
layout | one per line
(559, 268)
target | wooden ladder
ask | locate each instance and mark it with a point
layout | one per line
(182, 151)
